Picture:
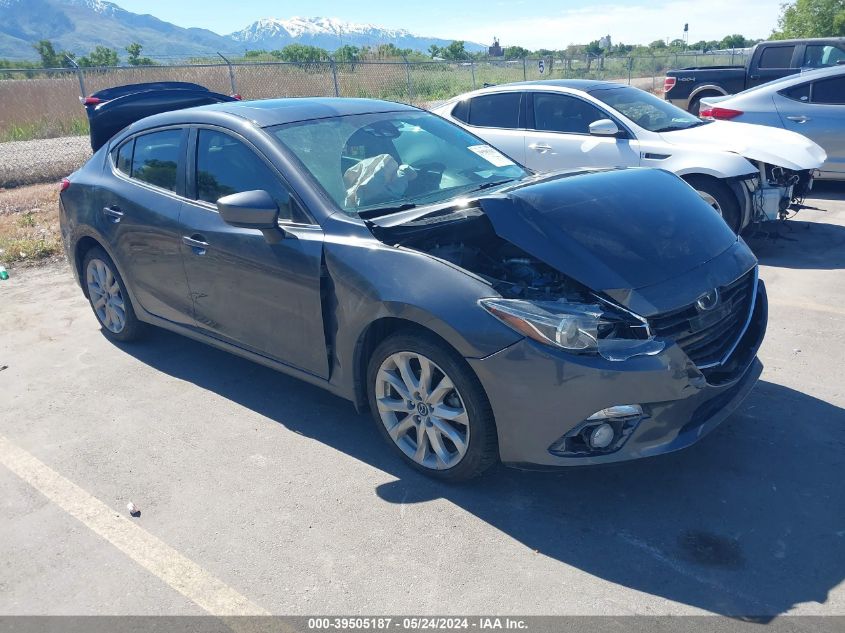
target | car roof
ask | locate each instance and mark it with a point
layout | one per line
(575, 84)
(269, 112)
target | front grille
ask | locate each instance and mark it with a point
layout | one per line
(707, 336)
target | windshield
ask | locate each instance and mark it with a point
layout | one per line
(646, 110)
(394, 160)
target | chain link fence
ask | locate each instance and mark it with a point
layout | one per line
(44, 103)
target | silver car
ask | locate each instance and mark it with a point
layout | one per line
(811, 103)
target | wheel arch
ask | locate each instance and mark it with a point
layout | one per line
(376, 332)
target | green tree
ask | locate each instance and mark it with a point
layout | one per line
(516, 52)
(50, 58)
(455, 51)
(100, 56)
(134, 53)
(735, 41)
(347, 53)
(658, 44)
(301, 53)
(434, 51)
(811, 18)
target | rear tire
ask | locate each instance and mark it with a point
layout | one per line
(719, 196)
(430, 407)
(108, 297)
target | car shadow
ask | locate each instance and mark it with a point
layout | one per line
(801, 244)
(798, 244)
(749, 522)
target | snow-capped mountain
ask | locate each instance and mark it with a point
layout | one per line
(80, 25)
(328, 33)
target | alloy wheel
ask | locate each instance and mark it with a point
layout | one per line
(422, 410)
(106, 296)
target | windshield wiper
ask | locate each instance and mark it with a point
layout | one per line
(380, 211)
(673, 128)
(496, 183)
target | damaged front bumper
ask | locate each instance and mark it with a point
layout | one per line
(771, 192)
(549, 404)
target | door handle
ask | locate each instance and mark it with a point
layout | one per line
(799, 119)
(540, 147)
(197, 243)
(113, 213)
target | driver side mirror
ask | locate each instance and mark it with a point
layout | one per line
(604, 127)
(252, 210)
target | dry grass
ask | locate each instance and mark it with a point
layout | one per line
(29, 224)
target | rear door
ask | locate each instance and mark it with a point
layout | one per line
(259, 296)
(498, 119)
(817, 110)
(140, 219)
(559, 136)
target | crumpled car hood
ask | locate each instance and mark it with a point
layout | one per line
(754, 142)
(613, 231)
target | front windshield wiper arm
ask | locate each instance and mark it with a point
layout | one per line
(377, 212)
(488, 185)
(674, 128)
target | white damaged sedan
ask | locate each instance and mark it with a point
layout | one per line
(748, 173)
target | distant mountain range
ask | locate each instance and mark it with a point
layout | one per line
(80, 25)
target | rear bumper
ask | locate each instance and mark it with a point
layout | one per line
(540, 394)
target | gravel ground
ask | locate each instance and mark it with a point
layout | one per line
(41, 160)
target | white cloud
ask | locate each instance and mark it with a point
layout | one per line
(538, 27)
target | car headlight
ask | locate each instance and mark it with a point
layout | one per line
(580, 328)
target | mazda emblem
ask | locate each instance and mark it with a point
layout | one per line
(708, 300)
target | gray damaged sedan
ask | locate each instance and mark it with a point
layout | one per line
(481, 312)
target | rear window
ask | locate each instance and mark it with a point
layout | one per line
(500, 110)
(800, 92)
(123, 158)
(156, 158)
(776, 57)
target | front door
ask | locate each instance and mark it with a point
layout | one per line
(259, 296)
(560, 137)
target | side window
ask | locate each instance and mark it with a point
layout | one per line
(500, 110)
(801, 92)
(461, 111)
(776, 57)
(829, 91)
(562, 113)
(156, 157)
(226, 166)
(817, 56)
(123, 157)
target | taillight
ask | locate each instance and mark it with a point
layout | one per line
(237, 96)
(715, 112)
(91, 101)
(668, 83)
(64, 185)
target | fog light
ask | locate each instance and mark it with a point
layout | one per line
(601, 436)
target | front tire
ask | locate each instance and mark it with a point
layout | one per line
(430, 406)
(719, 196)
(108, 297)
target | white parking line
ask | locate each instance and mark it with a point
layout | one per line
(181, 573)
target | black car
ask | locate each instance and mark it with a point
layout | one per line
(479, 311)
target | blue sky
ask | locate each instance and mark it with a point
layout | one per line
(537, 24)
